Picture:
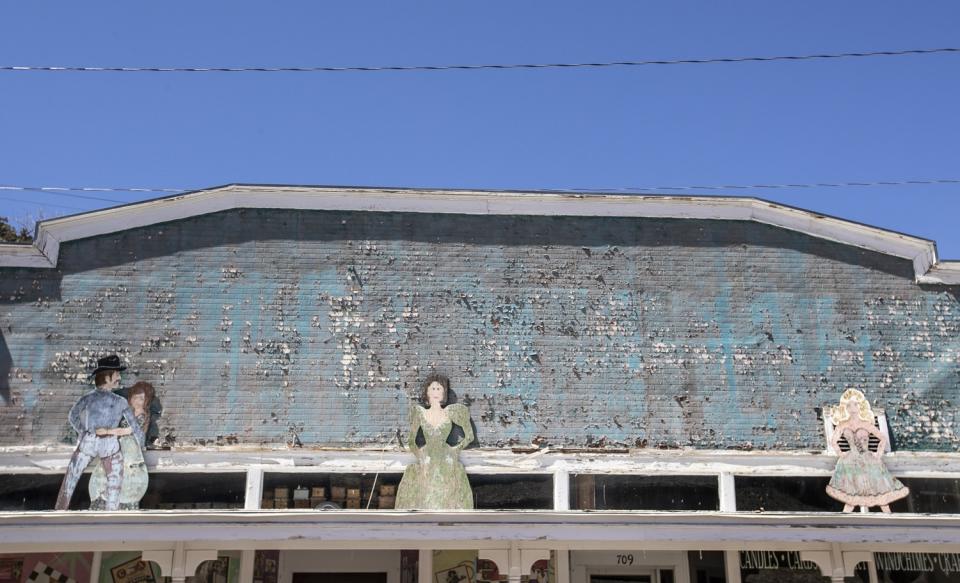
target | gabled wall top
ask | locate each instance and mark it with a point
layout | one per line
(51, 233)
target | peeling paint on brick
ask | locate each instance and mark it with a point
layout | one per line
(278, 327)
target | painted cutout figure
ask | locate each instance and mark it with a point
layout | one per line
(99, 409)
(135, 477)
(860, 478)
(437, 480)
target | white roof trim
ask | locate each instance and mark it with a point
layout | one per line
(53, 460)
(358, 529)
(51, 233)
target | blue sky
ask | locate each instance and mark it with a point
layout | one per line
(786, 122)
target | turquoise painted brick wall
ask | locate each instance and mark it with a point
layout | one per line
(258, 325)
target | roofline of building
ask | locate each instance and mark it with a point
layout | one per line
(51, 233)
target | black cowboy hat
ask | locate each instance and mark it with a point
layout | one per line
(111, 362)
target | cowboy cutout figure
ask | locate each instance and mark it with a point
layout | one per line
(94, 415)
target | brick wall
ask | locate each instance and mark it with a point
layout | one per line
(258, 325)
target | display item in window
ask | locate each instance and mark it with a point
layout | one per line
(99, 409)
(860, 477)
(135, 476)
(436, 480)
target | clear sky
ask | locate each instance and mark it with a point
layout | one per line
(865, 119)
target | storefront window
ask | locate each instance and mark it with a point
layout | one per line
(512, 491)
(918, 567)
(707, 567)
(19, 492)
(930, 496)
(195, 491)
(202, 491)
(784, 494)
(329, 491)
(778, 567)
(605, 492)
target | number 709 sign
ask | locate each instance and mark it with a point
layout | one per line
(625, 559)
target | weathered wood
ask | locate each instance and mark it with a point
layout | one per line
(242, 530)
(53, 460)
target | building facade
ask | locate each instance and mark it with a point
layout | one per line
(650, 380)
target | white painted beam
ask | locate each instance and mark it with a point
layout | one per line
(246, 565)
(242, 530)
(561, 489)
(562, 566)
(731, 565)
(727, 492)
(425, 566)
(54, 459)
(253, 493)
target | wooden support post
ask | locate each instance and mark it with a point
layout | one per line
(246, 566)
(731, 561)
(561, 490)
(727, 492)
(425, 566)
(95, 563)
(562, 566)
(515, 569)
(254, 490)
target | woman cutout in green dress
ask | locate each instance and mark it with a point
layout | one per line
(437, 480)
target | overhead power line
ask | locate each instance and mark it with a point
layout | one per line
(73, 191)
(89, 189)
(768, 186)
(321, 69)
(40, 203)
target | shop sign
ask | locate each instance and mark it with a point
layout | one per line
(774, 560)
(896, 563)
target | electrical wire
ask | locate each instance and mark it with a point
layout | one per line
(767, 186)
(78, 196)
(54, 189)
(322, 69)
(41, 203)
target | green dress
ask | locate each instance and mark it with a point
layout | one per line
(135, 476)
(437, 480)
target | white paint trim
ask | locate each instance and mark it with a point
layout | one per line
(501, 557)
(942, 273)
(425, 566)
(194, 557)
(561, 489)
(253, 493)
(163, 559)
(530, 556)
(96, 564)
(247, 566)
(823, 560)
(853, 558)
(54, 459)
(731, 564)
(562, 566)
(51, 233)
(726, 484)
(304, 529)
